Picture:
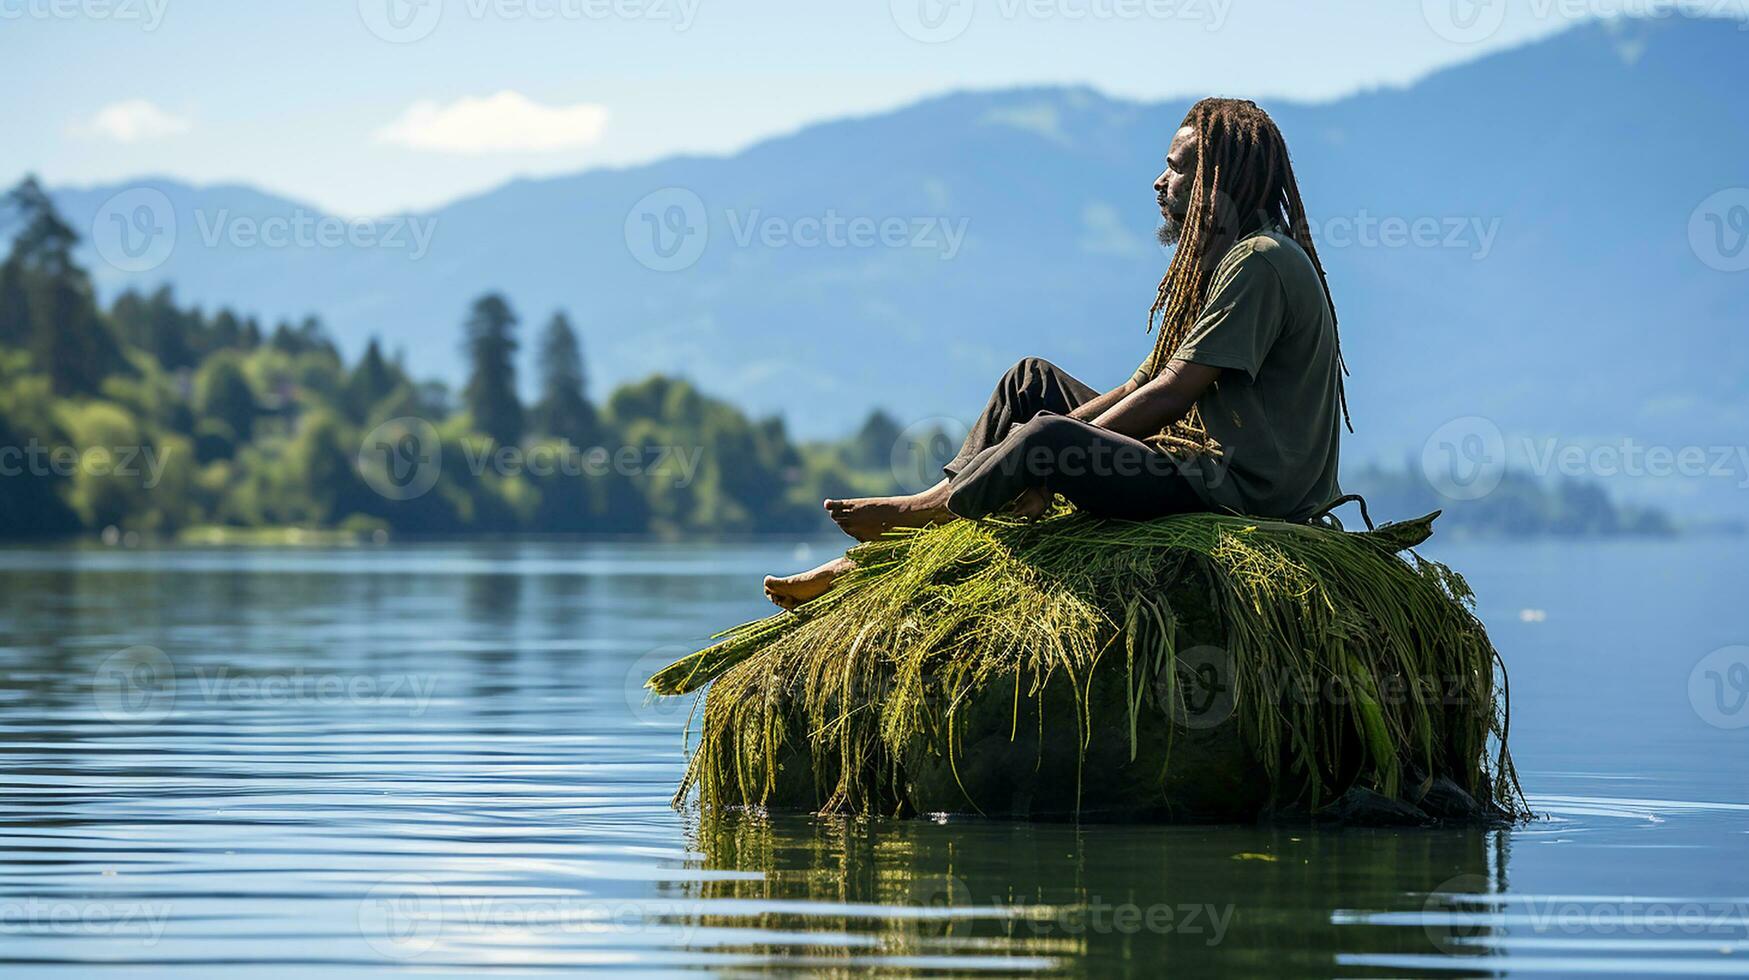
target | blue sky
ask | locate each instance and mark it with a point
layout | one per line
(368, 106)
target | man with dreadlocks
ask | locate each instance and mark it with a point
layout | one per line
(1237, 409)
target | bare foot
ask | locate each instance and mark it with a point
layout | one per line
(1033, 504)
(793, 590)
(867, 518)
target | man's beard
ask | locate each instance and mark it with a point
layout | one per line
(1171, 231)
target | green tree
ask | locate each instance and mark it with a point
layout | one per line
(491, 350)
(14, 305)
(564, 410)
(156, 325)
(30, 504)
(872, 446)
(222, 394)
(227, 331)
(372, 380)
(68, 337)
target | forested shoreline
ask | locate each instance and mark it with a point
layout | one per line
(149, 418)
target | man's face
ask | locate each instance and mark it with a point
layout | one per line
(1172, 187)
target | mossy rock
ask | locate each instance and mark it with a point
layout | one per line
(1110, 670)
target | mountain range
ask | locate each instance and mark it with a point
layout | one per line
(1550, 239)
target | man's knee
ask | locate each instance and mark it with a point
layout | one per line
(1031, 367)
(1043, 440)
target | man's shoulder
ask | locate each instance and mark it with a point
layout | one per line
(1271, 245)
(1274, 250)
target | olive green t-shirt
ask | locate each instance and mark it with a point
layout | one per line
(1275, 409)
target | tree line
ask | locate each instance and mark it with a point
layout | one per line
(153, 417)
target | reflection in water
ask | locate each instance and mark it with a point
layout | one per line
(1114, 900)
(438, 758)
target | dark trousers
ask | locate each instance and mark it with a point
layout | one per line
(1026, 440)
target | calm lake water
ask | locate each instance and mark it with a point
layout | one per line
(437, 759)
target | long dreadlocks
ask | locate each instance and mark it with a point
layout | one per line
(1244, 181)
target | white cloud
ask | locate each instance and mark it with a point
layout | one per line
(132, 121)
(507, 122)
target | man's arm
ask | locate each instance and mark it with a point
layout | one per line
(1089, 410)
(1147, 409)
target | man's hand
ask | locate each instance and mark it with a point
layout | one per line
(1160, 402)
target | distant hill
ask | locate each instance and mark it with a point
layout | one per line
(1557, 291)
